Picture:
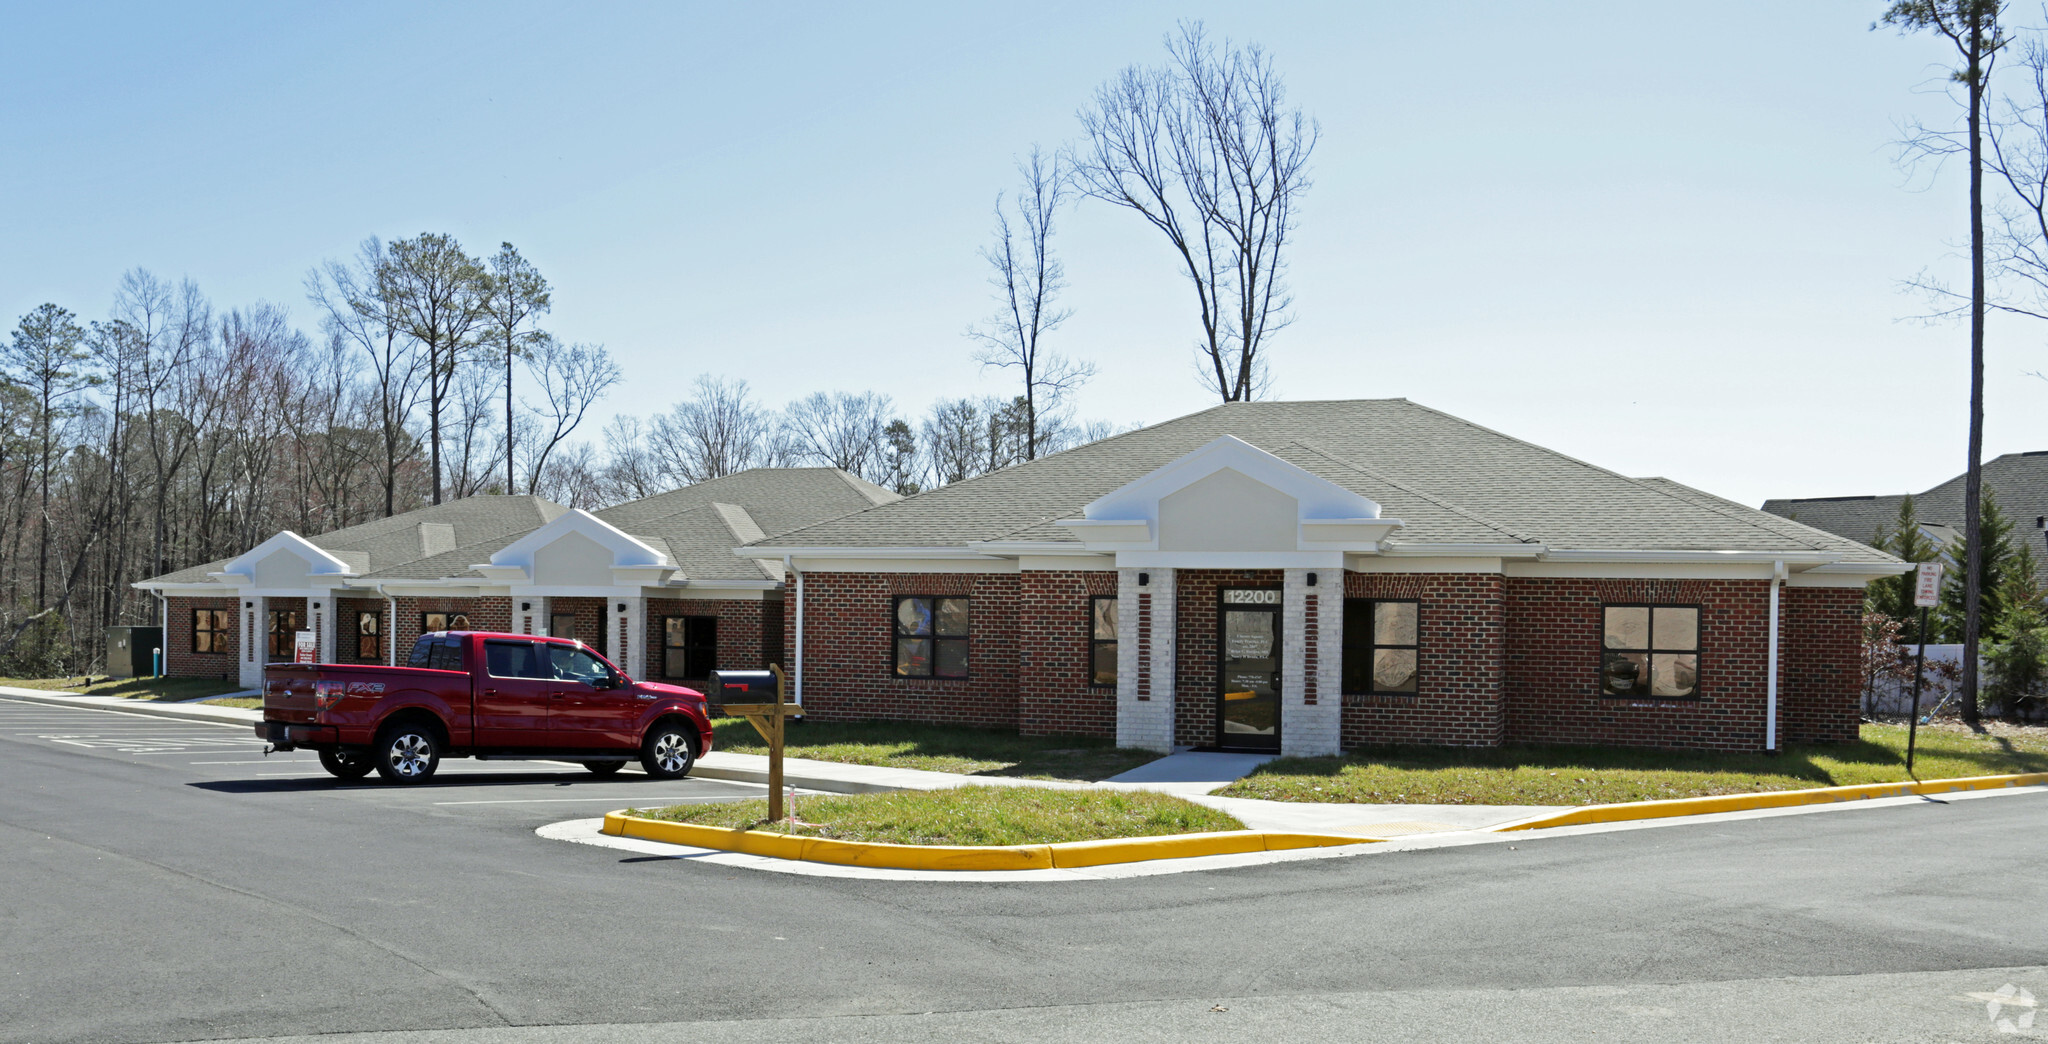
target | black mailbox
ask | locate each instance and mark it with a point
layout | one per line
(747, 687)
(742, 687)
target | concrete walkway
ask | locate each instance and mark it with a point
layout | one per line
(151, 708)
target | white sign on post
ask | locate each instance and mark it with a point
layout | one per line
(305, 648)
(1927, 592)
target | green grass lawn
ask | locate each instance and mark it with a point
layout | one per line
(1528, 774)
(170, 689)
(968, 816)
(939, 748)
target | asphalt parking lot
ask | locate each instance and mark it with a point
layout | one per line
(163, 881)
(229, 760)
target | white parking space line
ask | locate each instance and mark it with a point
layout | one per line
(670, 799)
(259, 761)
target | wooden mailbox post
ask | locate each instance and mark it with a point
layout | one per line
(768, 720)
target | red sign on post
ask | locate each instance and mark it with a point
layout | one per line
(1927, 592)
(305, 647)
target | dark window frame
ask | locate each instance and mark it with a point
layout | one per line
(447, 616)
(686, 646)
(375, 634)
(1651, 649)
(1368, 607)
(221, 627)
(291, 648)
(1095, 644)
(897, 637)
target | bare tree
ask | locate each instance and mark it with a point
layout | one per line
(1971, 26)
(1028, 279)
(357, 309)
(48, 355)
(475, 442)
(1206, 150)
(631, 470)
(436, 294)
(517, 293)
(572, 377)
(716, 432)
(842, 430)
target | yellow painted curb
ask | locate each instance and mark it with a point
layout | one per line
(1701, 806)
(968, 857)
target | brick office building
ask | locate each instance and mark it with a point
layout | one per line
(653, 583)
(1306, 577)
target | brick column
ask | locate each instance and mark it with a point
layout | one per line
(628, 633)
(1309, 728)
(324, 624)
(1145, 635)
(250, 610)
(534, 619)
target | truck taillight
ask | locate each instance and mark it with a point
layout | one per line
(326, 694)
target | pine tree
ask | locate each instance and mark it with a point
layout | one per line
(2005, 577)
(1893, 596)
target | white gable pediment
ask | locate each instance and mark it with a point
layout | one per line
(579, 551)
(1231, 498)
(286, 561)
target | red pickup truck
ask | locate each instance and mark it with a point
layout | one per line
(487, 696)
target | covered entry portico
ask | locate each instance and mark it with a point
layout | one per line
(1251, 549)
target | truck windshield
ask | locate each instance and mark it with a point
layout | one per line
(436, 651)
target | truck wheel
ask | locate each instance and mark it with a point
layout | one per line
(669, 751)
(604, 768)
(346, 764)
(407, 752)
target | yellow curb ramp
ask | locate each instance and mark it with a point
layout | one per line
(1063, 855)
(1701, 806)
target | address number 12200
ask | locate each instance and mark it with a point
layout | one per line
(1251, 597)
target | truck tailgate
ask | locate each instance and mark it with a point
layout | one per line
(288, 696)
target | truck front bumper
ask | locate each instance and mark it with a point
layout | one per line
(285, 736)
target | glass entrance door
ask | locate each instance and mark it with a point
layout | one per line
(1248, 669)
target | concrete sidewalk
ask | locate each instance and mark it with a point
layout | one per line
(151, 708)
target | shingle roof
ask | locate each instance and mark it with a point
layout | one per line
(397, 545)
(1448, 480)
(2019, 480)
(701, 524)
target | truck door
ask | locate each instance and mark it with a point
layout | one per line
(591, 708)
(513, 694)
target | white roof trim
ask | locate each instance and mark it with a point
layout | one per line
(1319, 497)
(626, 550)
(318, 562)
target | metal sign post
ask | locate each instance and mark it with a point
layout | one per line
(1926, 592)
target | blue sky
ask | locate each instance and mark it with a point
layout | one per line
(1664, 238)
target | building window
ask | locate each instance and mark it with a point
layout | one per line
(689, 646)
(1382, 645)
(285, 625)
(931, 637)
(210, 628)
(1102, 661)
(431, 623)
(1650, 650)
(369, 630)
(562, 625)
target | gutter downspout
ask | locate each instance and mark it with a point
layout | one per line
(1771, 681)
(789, 566)
(163, 633)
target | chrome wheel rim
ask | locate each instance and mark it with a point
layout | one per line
(410, 754)
(671, 752)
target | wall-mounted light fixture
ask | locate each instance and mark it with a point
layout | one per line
(622, 607)
(526, 607)
(1311, 579)
(1144, 579)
